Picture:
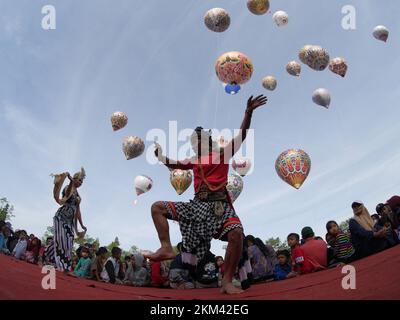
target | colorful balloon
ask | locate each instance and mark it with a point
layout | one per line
(234, 186)
(293, 167)
(381, 33)
(338, 66)
(258, 7)
(317, 58)
(133, 147)
(118, 120)
(302, 53)
(217, 20)
(143, 184)
(234, 68)
(293, 68)
(181, 180)
(242, 166)
(281, 18)
(322, 97)
(269, 83)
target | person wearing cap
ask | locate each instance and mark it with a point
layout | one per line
(211, 213)
(388, 219)
(315, 249)
(365, 239)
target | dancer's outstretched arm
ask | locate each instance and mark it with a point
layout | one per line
(171, 164)
(252, 103)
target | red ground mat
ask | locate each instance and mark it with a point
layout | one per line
(377, 277)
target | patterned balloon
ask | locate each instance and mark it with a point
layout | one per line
(181, 180)
(118, 120)
(133, 147)
(242, 166)
(338, 66)
(143, 184)
(302, 53)
(322, 97)
(217, 19)
(234, 68)
(381, 33)
(293, 167)
(317, 58)
(258, 7)
(293, 68)
(281, 18)
(234, 186)
(269, 83)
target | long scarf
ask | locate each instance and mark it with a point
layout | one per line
(58, 183)
(364, 218)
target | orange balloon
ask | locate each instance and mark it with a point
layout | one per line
(293, 167)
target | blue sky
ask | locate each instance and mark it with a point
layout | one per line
(155, 62)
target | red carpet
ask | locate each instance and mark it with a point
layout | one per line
(377, 277)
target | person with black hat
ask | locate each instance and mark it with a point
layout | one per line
(365, 239)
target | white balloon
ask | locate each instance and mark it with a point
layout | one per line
(241, 165)
(381, 33)
(143, 184)
(281, 18)
(322, 97)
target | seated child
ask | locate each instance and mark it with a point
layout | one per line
(82, 269)
(283, 270)
(20, 248)
(220, 265)
(159, 274)
(343, 250)
(98, 263)
(136, 275)
(112, 269)
(3, 238)
(33, 250)
(300, 262)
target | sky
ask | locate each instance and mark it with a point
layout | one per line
(154, 60)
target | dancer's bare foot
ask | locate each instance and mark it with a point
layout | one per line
(164, 253)
(229, 288)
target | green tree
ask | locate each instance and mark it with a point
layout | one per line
(134, 249)
(344, 225)
(113, 244)
(6, 210)
(87, 239)
(277, 244)
(48, 233)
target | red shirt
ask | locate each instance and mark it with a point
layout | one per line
(300, 261)
(317, 252)
(214, 168)
(157, 280)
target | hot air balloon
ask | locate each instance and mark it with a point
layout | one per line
(118, 120)
(322, 97)
(258, 7)
(281, 18)
(234, 186)
(381, 33)
(233, 68)
(317, 58)
(293, 68)
(133, 147)
(242, 166)
(143, 184)
(217, 19)
(293, 167)
(338, 66)
(269, 83)
(302, 53)
(181, 180)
